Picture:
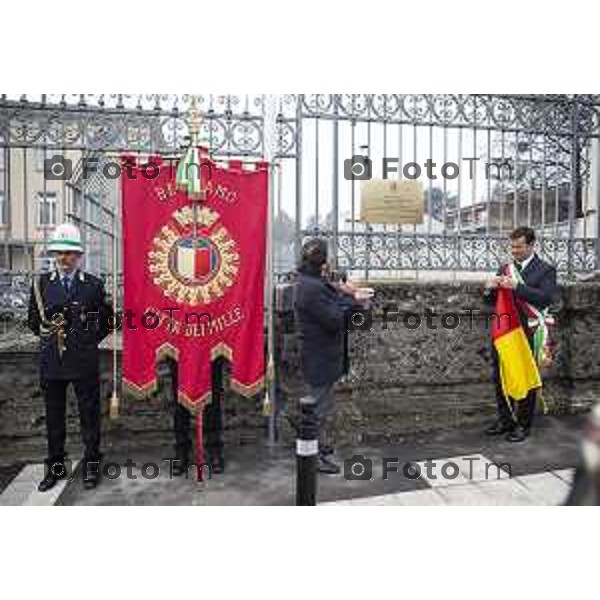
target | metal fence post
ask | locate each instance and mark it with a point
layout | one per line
(307, 449)
(298, 209)
(575, 183)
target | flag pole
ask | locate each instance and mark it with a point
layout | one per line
(114, 400)
(269, 404)
(196, 193)
(270, 399)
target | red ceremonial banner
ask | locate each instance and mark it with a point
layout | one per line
(194, 276)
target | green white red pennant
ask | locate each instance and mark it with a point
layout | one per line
(187, 177)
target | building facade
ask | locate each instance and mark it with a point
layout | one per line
(34, 200)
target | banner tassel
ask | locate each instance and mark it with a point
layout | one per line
(114, 405)
(267, 406)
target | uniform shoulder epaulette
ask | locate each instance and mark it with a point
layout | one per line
(84, 276)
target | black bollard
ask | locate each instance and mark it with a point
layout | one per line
(307, 450)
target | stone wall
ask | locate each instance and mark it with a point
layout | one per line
(404, 380)
(401, 380)
(140, 422)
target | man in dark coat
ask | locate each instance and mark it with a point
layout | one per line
(321, 311)
(539, 290)
(70, 311)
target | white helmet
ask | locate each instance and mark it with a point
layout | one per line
(66, 238)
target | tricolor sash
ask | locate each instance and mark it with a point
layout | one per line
(538, 321)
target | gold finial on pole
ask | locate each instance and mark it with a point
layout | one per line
(194, 118)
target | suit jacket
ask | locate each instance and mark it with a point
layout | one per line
(539, 288)
(86, 310)
(321, 318)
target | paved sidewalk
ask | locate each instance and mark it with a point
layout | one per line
(257, 475)
(541, 489)
(22, 490)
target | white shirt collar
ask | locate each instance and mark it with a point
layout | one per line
(524, 264)
(58, 273)
(64, 275)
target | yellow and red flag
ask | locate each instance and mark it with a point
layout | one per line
(517, 367)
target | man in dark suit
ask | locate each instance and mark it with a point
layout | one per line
(213, 423)
(70, 311)
(321, 310)
(539, 290)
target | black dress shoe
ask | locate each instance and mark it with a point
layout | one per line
(179, 467)
(216, 460)
(518, 435)
(327, 466)
(499, 428)
(217, 468)
(54, 471)
(91, 474)
(90, 481)
(326, 450)
(181, 462)
(48, 482)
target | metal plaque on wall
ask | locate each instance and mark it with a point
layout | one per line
(391, 201)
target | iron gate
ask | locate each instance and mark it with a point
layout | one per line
(551, 141)
(548, 142)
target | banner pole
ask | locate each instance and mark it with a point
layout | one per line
(270, 404)
(114, 400)
(196, 195)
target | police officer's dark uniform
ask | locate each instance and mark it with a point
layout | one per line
(85, 308)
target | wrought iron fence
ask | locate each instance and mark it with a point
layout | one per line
(551, 141)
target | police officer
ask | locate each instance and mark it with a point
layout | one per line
(70, 311)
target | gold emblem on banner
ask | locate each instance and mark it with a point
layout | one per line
(194, 264)
(167, 193)
(222, 192)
